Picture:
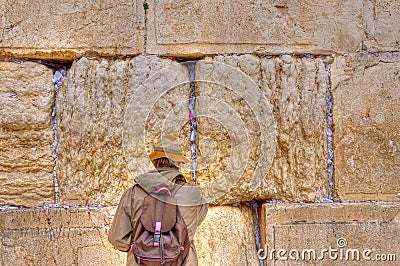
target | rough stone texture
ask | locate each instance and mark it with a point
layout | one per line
(366, 94)
(226, 237)
(381, 22)
(91, 105)
(69, 30)
(277, 123)
(66, 30)
(321, 226)
(57, 237)
(192, 28)
(282, 124)
(296, 88)
(26, 135)
(79, 237)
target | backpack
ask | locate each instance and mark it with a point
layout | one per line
(160, 236)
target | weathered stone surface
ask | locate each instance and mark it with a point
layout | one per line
(112, 111)
(26, 135)
(366, 92)
(282, 124)
(296, 88)
(381, 22)
(271, 131)
(79, 237)
(192, 28)
(226, 237)
(67, 30)
(91, 106)
(340, 228)
(57, 237)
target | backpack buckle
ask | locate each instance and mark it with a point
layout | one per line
(157, 234)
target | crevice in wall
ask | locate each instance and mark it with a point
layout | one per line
(146, 8)
(59, 76)
(53, 64)
(255, 206)
(191, 65)
(329, 132)
(256, 222)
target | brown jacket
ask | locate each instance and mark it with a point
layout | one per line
(191, 206)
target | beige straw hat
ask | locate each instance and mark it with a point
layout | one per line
(168, 147)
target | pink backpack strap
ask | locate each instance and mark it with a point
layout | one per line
(163, 188)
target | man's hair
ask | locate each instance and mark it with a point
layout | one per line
(164, 162)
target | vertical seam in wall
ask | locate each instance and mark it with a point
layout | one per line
(59, 77)
(257, 234)
(191, 67)
(145, 7)
(329, 132)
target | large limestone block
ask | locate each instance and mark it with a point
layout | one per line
(381, 21)
(66, 30)
(336, 234)
(262, 128)
(226, 237)
(91, 107)
(296, 88)
(79, 237)
(57, 237)
(26, 134)
(366, 92)
(192, 28)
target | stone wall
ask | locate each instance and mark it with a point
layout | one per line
(296, 105)
(78, 236)
(366, 91)
(334, 234)
(92, 103)
(68, 30)
(26, 163)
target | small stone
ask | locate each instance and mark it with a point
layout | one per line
(326, 200)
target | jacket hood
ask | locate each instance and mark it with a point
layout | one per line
(161, 177)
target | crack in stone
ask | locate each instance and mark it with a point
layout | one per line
(59, 77)
(145, 7)
(256, 221)
(329, 132)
